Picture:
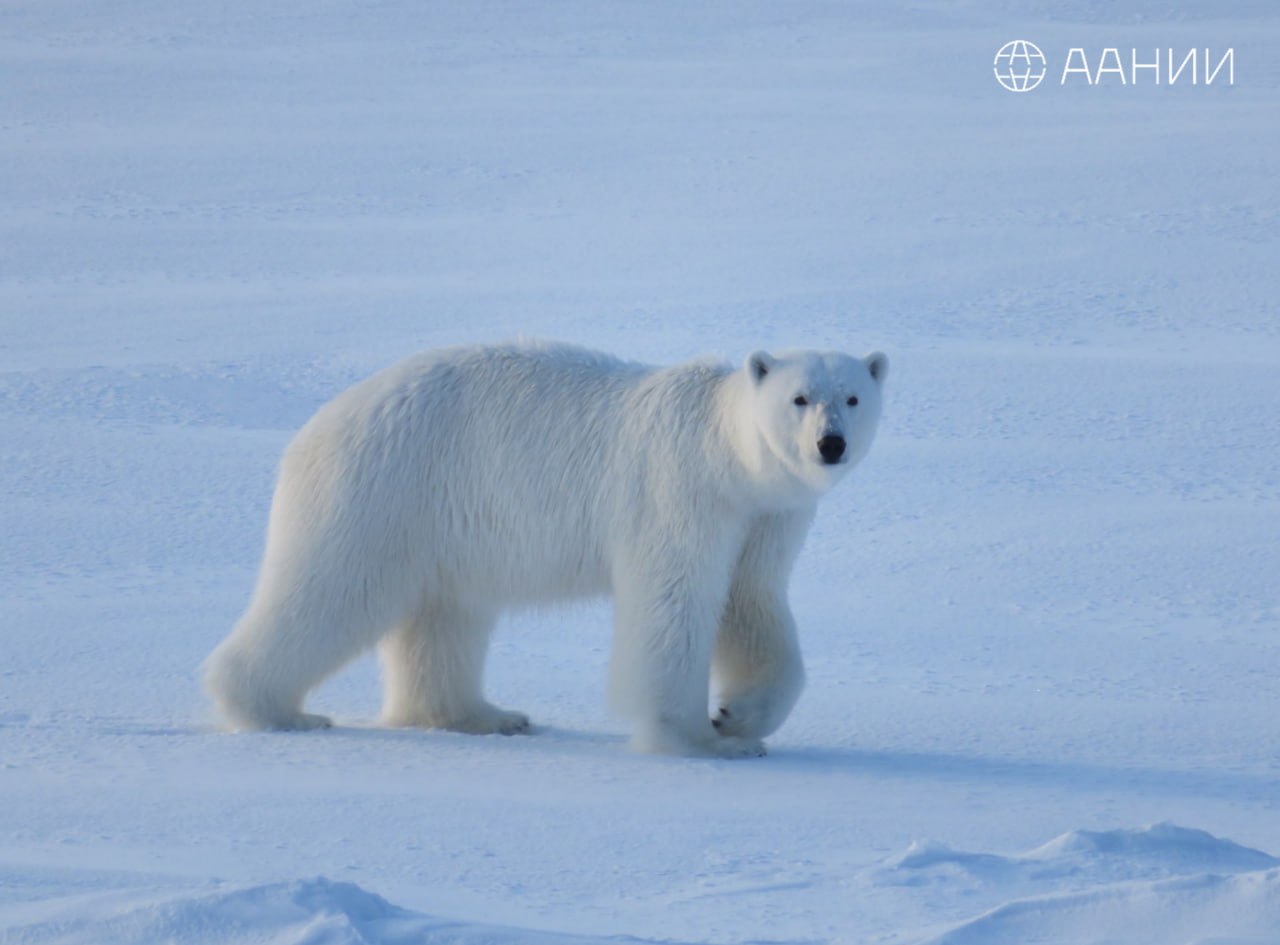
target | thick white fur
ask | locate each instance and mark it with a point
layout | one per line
(417, 506)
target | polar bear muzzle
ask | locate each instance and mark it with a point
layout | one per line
(831, 447)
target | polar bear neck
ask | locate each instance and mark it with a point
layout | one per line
(762, 476)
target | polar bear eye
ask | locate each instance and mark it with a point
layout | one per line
(852, 401)
(801, 401)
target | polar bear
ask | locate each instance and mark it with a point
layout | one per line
(416, 507)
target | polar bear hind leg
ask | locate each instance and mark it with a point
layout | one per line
(433, 673)
(301, 627)
(261, 673)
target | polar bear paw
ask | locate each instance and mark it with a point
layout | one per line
(708, 744)
(734, 746)
(308, 721)
(491, 720)
(277, 722)
(744, 720)
(727, 723)
(487, 719)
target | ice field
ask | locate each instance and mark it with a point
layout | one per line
(1041, 622)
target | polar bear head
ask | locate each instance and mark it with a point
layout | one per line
(815, 413)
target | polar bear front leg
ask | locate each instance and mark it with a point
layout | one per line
(433, 672)
(756, 663)
(665, 624)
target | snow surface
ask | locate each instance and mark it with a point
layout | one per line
(1045, 608)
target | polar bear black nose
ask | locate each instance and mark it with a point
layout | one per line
(831, 448)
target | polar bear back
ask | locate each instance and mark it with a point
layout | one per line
(504, 472)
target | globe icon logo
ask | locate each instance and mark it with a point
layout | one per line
(1020, 65)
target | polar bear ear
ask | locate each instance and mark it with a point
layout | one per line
(758, 364)
(878, 365)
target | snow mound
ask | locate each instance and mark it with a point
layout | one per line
(1156, 884)
(1223, 910)
(1156, 852)
(305, 912)
(1162, 847)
